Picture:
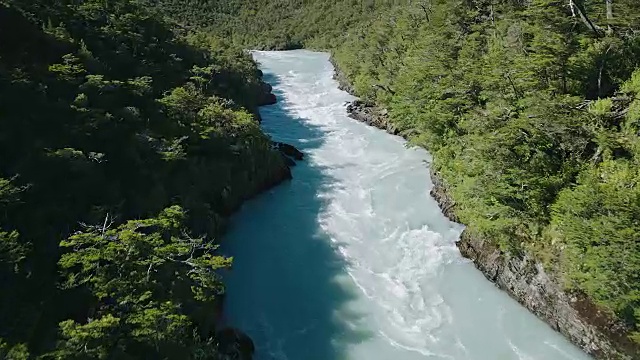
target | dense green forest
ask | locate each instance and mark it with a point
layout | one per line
(126, 139)
(530, 107)
(123, 147)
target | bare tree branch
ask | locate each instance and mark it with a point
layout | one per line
(602, 64)
(385, 88)
(426, 7)
(571, 6)
(577, 4)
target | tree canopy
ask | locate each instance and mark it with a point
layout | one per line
(530, 108)
(124, 137)
(124, 144)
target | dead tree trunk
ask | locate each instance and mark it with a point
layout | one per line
(578, 5)
(572, 7)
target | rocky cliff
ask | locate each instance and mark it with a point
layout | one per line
(371, 115)
(526, 280)
(265, 170)
(521, 276)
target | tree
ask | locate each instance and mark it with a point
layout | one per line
(148, 281)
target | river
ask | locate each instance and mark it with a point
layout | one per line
(353, 259)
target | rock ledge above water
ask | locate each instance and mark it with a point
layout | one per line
(289, 152)
(522, 277)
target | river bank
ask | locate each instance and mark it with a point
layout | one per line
(354, 259)
(521, 276)
(233, 342)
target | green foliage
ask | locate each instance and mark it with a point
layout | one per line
(518, 103)
(16, 352)
(148, 282)
(108, 115)
(12, 251)
(598, 223)
(93, 340)
(633, 84)
(601, 107)
(529, 107)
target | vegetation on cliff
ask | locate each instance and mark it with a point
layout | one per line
(531, 116)
(123, 146)
(530, 107)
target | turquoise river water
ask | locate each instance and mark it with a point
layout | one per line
(353, 259)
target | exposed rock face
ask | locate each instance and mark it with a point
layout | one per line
(525, 280)
(522, 277)
(288, 150)
(360, 110)
(264, 172)
(439, 193)
(266, 96)
(343, 82)
(287, 160)
(371, 115)
(266, 87)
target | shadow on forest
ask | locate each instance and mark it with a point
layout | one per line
(288, 287)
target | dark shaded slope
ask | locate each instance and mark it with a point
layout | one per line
(108, 117)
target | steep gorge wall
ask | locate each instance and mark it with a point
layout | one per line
(265, 171)
(521, 276)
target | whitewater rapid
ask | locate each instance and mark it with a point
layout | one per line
(353, 259)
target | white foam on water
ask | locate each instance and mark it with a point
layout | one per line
(404, 290)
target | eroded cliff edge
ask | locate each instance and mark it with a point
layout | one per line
(263, 172)
(521, 276)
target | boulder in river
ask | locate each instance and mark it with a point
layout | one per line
(288, 150)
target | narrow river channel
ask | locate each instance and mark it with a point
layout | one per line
(353, 259)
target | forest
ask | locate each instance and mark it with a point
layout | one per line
(125, 142)
(531, 109)
(128, 134)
